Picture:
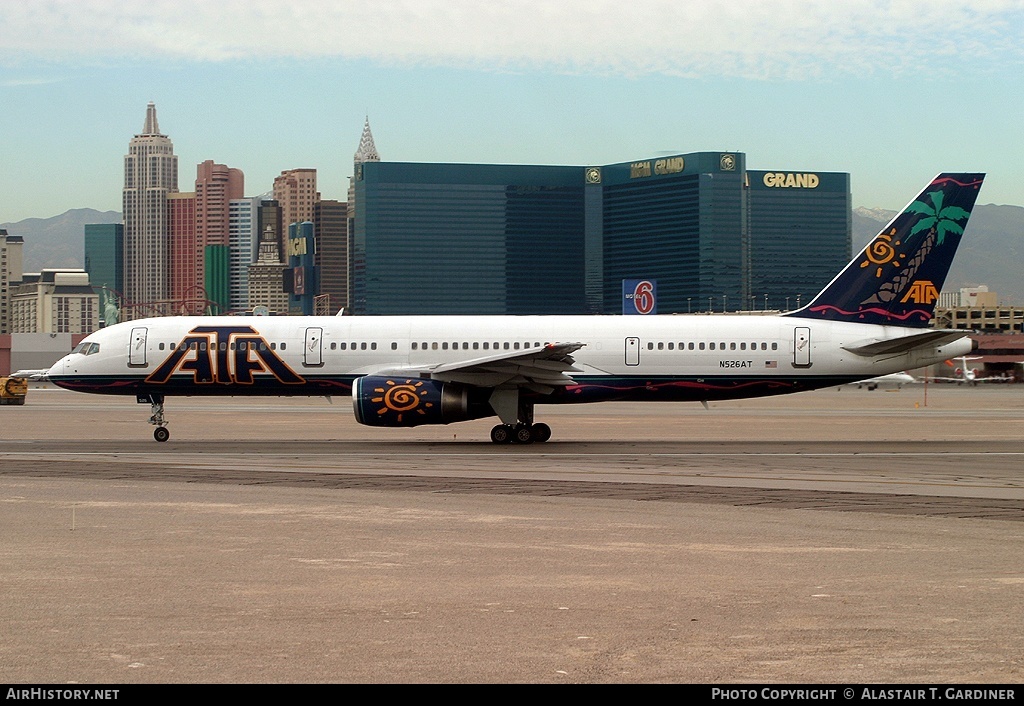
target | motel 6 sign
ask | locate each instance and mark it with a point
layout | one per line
(639, 296)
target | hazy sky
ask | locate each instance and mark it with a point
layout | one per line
(892, 92)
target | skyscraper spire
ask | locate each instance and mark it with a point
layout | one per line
(151, 127)
(367, 151)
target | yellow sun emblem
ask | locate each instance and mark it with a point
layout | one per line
(882, 252)
(401, 398)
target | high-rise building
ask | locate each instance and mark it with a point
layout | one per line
(295, 191)
(150, 175)
(269, 216)
(216, 186)
(366, 152)
(301, 279)
(104, 260)
(104, 255)
(183, 254)
(243, 230)
(266, 276)
(535, 239)
(11, 247)
(330, 228)
(55, 301)
(800, 226)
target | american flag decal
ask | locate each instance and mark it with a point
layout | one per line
(771, 364)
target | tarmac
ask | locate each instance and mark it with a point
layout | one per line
(839, 536)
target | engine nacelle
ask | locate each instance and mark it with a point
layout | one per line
(380, 401)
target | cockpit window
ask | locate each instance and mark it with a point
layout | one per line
(87, 348)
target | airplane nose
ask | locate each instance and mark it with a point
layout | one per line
(58, 367)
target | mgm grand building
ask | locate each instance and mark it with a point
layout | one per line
(518, 239)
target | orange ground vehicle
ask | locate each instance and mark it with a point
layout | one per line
(13, 390)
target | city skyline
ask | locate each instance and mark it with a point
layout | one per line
(890, 92)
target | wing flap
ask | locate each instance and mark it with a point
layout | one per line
(541, 368)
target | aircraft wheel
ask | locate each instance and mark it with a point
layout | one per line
(524, 434)
(541, 432)
(501, 434)
(161, 434)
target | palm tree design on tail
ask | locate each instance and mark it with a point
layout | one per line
(939, 221)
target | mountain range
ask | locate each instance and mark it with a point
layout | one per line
(991, 252)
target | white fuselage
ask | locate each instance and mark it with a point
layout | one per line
(669, 357)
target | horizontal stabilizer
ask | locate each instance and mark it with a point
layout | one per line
(925, 339)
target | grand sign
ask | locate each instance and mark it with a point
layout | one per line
(789, 180)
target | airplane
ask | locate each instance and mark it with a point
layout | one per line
(870, 320)
(965, 373)
(892, 381)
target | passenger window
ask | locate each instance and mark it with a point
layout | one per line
(712, 346)
(775, 346)
(160, 347)
(743, 345)
(650, 345)
(702, 345)
(394, 346)
(362, 346)
(732, 346)
(671, 346)
(444, 346)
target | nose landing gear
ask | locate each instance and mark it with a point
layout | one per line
(156, 403)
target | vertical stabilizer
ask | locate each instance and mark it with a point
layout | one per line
(897, 278)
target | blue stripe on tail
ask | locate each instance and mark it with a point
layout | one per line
(897, 278)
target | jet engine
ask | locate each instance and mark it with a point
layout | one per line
(380, 401)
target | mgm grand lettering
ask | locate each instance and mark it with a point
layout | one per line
(791, 181)
(669, 165)
(639, 169)
(296, 247)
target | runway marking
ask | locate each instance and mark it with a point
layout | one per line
(569, 454)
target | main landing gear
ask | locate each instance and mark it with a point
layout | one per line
(156, 404)
(520, 433)
(517, 417)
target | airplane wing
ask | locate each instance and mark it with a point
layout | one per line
(874, 346)
(541, 369)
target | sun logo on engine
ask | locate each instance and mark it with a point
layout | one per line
(882, 252)
(401, 398)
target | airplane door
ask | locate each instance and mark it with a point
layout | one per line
(137, 348)
(632, 351)
(802, 347)
(313, 349)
